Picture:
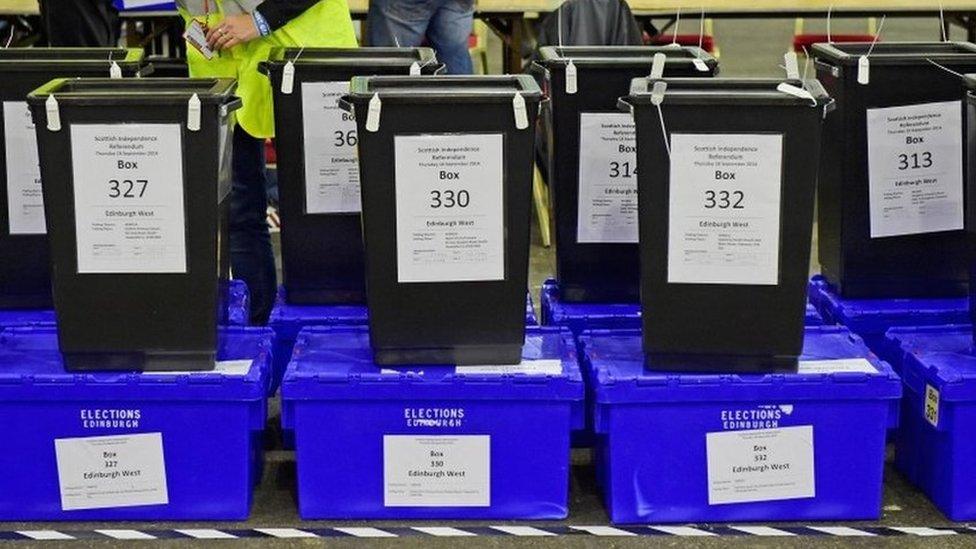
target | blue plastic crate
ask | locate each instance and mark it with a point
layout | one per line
(201, 432)
(872, 318)
(12, 318)
(668, 443)
(936, 448)
(366, 436)
(235, 310)
(288, 320)
(580, 317)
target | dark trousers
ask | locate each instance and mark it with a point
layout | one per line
(251, 256)
(80, 23)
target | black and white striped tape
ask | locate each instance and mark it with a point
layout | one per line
(464, 531)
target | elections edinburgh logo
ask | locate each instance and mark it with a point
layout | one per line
(766, 416)
(434, 417)
(110, 418)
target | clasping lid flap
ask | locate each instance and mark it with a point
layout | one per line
(617, 361)
(354, 57)
(176, 91)
(941, 356)
(335, 362)
(30, 358)
(70, 59)
(896, 53)
(728, 91)
(619, 57)
(876, 315)
(438, 89)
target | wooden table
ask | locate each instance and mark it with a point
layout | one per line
(507, 17)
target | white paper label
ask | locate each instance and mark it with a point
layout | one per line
(437, 471)
(723, 225)
(527, 367)
(222, 367)
(607, 179)
(331, 164)
(111, 471)
(760, 465)
(915, 169)
(25, 201)
(932, 405)
(128, 187)
(449, 204)
(845, 365)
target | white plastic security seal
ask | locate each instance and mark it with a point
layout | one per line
(521, 113)
(796, 92)
(657, 93)
(114, 70)
(863, 71)
(657, 66)
(193, 113)
(415, 69)
(373, 114)
(288, 78)
(792, 65)
(863, 65)
(571, 82)
(53, 114)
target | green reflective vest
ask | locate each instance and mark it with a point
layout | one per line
(326, 24)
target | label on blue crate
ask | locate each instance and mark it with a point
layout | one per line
(915, 169)
(844, 365)
(25, 200)
(222, 367)
(724, 209)
(331, 163)
(932, 405)
(607, 207)
(527, 367)
(450, 207)
(128, 193)
(437, 471)
(111, 471)
(760, 465)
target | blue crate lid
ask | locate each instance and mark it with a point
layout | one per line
(31, 368)
(873, 315)
(337, 363)
(557, 313)
(26, 317)
(941, 356)
(285, 314)
(288, 316)
(617, 360)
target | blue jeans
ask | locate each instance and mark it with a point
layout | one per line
(446, 24)
(251, 256)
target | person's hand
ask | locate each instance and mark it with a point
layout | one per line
(233, 30)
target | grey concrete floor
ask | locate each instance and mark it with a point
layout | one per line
(748, 48)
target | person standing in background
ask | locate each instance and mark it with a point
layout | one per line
(446, 24)
(80, 23)
(239, 35)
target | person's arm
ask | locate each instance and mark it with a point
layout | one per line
(269, 16)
